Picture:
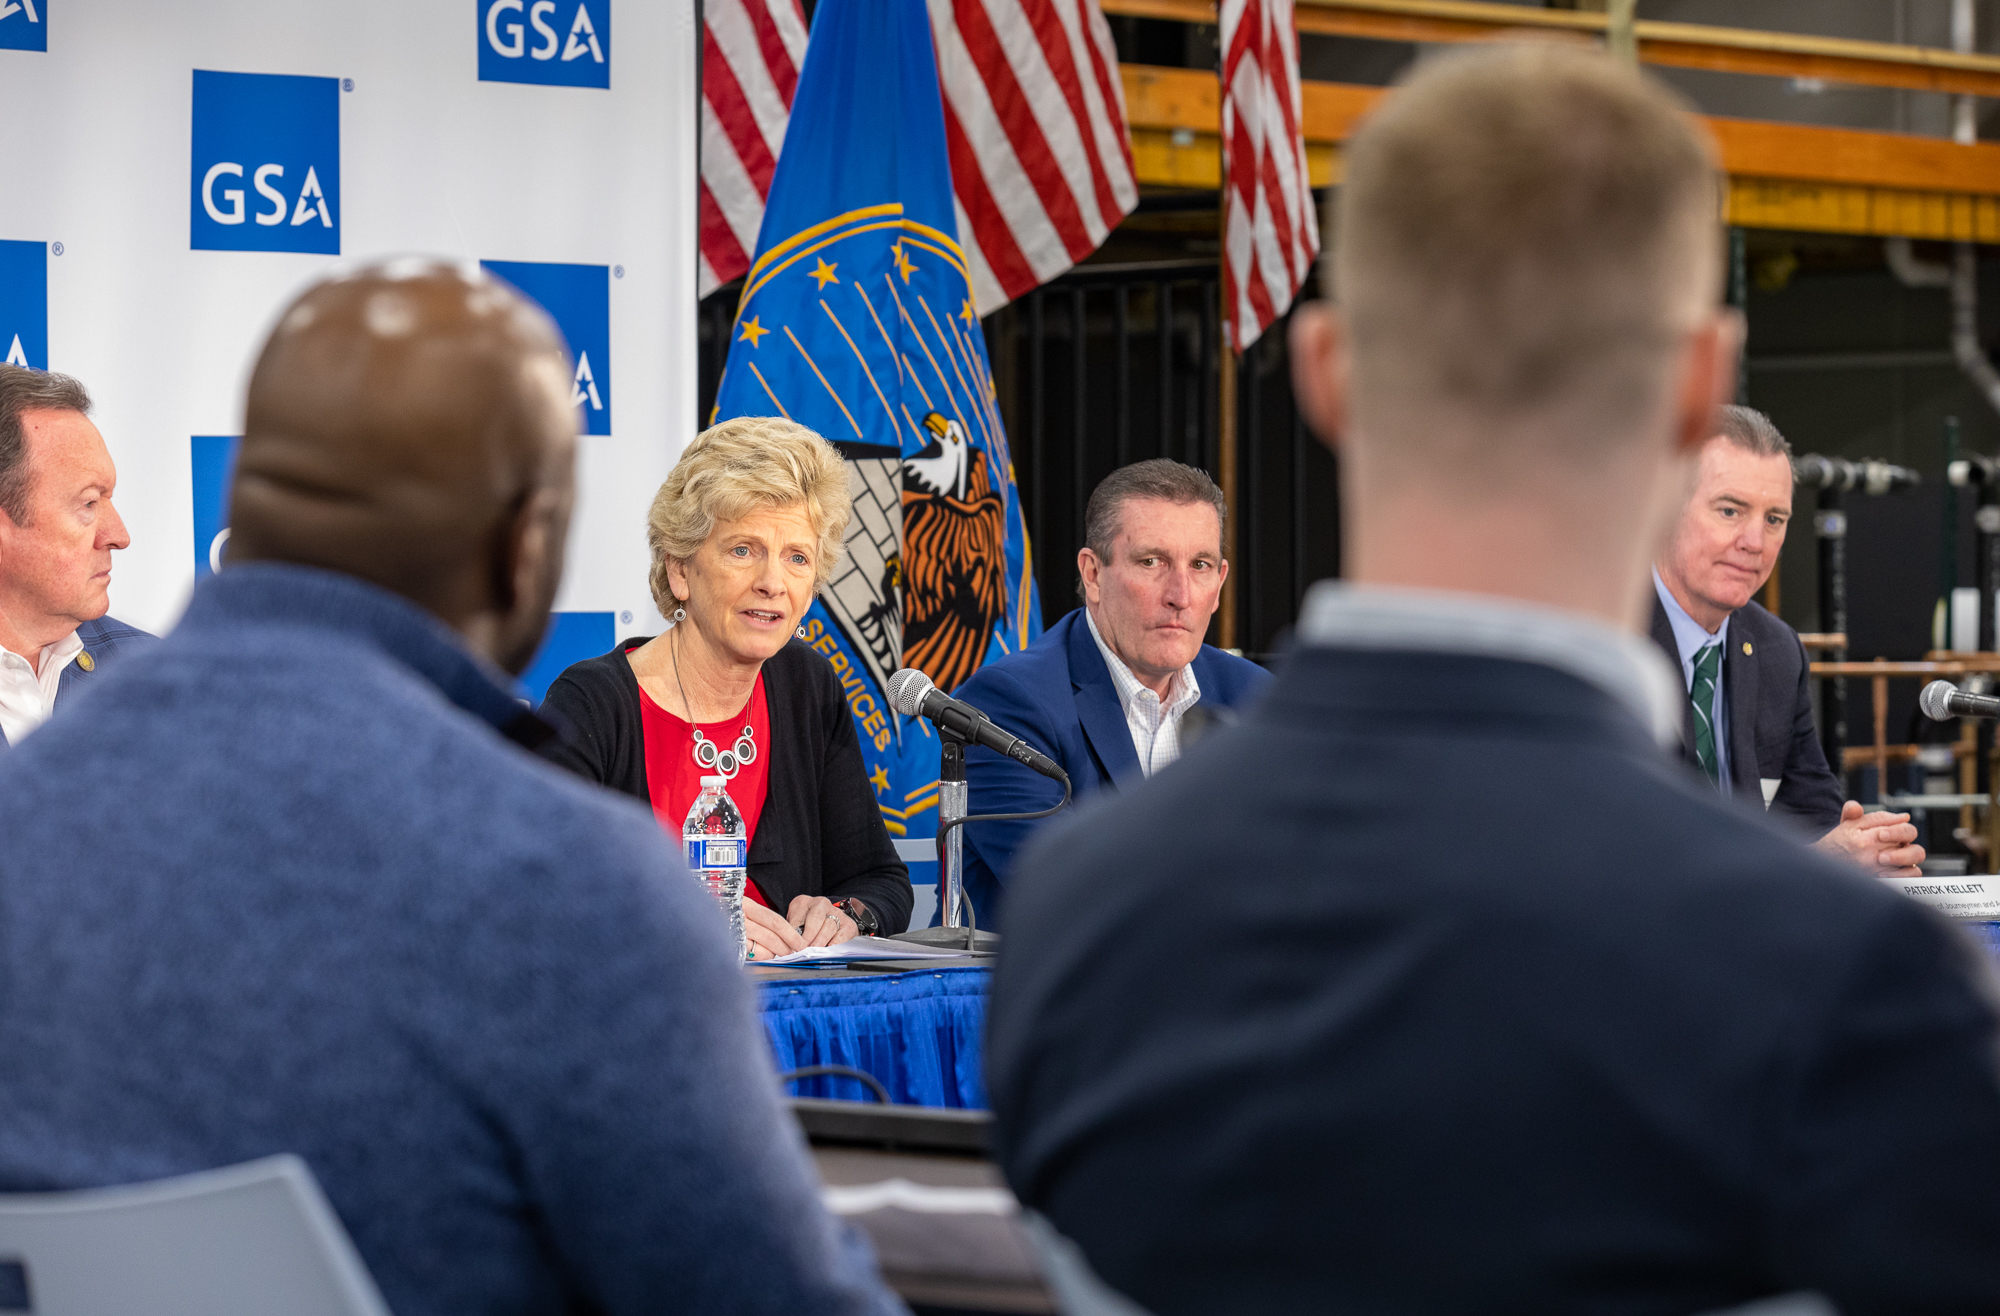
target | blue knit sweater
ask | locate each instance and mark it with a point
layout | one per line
(278, 885)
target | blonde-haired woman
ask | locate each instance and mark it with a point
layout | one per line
(748, 525)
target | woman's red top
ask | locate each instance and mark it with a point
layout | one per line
(674, 779)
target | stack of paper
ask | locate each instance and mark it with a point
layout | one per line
(867, 948)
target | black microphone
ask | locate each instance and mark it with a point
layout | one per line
(916, 695)
(1941, 700)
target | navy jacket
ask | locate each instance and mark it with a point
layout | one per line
(107, 641)
(1057, 695)
(1437, 987)
(1772, 735)
(325, 908)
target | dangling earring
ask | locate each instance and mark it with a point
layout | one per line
(680, 615)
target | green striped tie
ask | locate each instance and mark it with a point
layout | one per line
(1707, 667)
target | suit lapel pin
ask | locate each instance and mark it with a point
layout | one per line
(1746, 648)
(86, 662)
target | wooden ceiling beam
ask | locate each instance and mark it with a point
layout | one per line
(1680, 45)
(1189, 99)
(1781, 175)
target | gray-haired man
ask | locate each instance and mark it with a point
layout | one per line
(1748, 719)
(58, 530)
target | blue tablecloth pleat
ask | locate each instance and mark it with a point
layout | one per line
(919, 1033)
(1986, 934)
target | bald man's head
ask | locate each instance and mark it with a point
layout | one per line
(410, 424)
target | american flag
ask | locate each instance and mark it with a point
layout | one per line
(1270, 234)
(1034, 115)
(751, 53)
(1034, 120)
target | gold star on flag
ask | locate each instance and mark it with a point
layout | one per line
(752, 332)
(966, 313)
(904, 265)
(824, 273)
(880, 778)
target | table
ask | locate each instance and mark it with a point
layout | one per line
(918, 1026)
(1988, 937)
(939, 1254)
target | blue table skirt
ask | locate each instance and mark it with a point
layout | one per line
(920, 1033)
(1987, 935)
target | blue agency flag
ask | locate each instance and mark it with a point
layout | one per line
(856, 319)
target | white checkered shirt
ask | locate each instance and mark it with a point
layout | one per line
(1155, 726)
(28, 694)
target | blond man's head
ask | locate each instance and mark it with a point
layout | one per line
(1526, 235)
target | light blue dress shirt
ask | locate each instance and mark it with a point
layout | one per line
(1691, 639)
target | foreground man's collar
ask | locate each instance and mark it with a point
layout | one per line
(309, 596)
(1630, 669)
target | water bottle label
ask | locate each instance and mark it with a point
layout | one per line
(715, 852)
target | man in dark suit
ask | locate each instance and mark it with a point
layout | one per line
(58, 530)
(1105, 690)
(1436, 985)
(1748, 722)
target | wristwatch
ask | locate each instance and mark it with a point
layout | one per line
(864, 917)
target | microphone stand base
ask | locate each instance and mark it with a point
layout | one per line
(984, 943)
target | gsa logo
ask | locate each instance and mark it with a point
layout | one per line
(519, 43)
(22, 26)
(24, 304)
(578, 299)
(212, 461)
(266, 159)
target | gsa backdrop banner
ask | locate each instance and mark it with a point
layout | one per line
(181, 171)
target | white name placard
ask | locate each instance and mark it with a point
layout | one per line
(1972, 897)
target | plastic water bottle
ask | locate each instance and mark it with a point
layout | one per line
(717, 851)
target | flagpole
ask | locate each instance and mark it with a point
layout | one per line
(1226, 458)
(1225, 429)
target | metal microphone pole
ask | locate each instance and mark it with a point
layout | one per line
(1833, 478)
(952, 803)
(1830, 528)
(1983, 473)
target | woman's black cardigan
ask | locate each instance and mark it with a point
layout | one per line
(820, 832)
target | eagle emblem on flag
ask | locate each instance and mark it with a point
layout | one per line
(954, 555)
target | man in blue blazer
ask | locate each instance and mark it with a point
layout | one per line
(58, 530)
(1436, 985)
(1104, 691)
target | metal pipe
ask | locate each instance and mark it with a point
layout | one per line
(1739, 297)
(1909, 270)
(1964, 110)
(1965, 257)
(1941, 628)
(1965, 346)
(1621, 35)
(1830, 534)
(1982, 473)
(1962, 275)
